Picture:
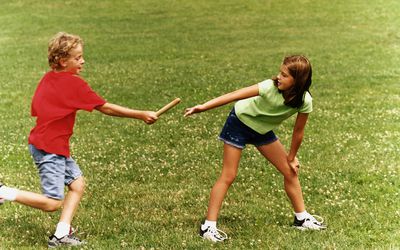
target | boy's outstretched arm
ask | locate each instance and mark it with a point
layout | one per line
(224, 99)
(148, 117)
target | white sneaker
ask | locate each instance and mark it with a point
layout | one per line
(309, 223)
(213, 234)
(67, 240)
(2, 200)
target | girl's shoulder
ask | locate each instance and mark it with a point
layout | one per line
(307, 97)
(267, 82)
(307, 106)
(266, 86)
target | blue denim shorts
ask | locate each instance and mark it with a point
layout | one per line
(55, 171)
(238, 134)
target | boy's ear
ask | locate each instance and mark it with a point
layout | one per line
(63, 62)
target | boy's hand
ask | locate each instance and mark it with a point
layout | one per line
(149, 117)
(294, 165)
(193, 110)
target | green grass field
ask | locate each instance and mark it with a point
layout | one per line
(148, 186)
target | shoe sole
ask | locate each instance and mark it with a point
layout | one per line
(306, 228)
(207, 239)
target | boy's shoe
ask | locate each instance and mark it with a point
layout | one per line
(68, 240)
(213, 234)
(309, 223)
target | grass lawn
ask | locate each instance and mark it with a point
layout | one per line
(148, 186)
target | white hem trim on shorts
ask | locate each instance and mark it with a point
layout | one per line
(231, 143)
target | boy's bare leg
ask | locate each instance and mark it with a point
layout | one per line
(72, 199)
(38, 201)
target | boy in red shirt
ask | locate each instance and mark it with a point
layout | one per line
(59, 95)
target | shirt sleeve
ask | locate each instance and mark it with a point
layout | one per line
(264, 86)
(85, 98)
(307, 106)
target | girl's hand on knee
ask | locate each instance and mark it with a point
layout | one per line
(294, 165)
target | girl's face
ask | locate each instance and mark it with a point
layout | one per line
(285, 80)
(74, 63)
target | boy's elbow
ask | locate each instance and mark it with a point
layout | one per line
(104, 109)
(100, 108)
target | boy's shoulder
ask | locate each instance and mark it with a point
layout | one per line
(65, 76)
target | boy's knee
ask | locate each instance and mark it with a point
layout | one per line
(78, 185)
(52, 205)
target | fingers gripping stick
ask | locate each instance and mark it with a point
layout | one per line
(168, 106)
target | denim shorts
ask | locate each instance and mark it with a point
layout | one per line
(55, 171)
(238, 134)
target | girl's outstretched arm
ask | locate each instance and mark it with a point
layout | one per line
(224, 99)
(148, 117)
(297, 138)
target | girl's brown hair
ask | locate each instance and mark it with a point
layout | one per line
(60, 46)
(299, 68)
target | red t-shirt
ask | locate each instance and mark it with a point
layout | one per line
(57, 98)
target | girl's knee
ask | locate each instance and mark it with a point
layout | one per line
(228, 178)
(290, 177)
(287, 172)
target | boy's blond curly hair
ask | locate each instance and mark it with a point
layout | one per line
(60, 46)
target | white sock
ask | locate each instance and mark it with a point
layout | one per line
(302, 215)
(208, 223)
(62, 229)
(7, 193)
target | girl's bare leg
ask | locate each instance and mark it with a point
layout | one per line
(228, 175)
(276, 154)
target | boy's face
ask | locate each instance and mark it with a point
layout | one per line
(74, 63)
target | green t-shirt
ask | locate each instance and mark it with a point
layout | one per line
(266, 111)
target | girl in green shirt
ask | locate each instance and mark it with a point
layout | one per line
(259, 110)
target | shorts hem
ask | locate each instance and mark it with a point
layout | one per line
(266, 143)
(53, 197)
(74, 179)
(231, 143)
